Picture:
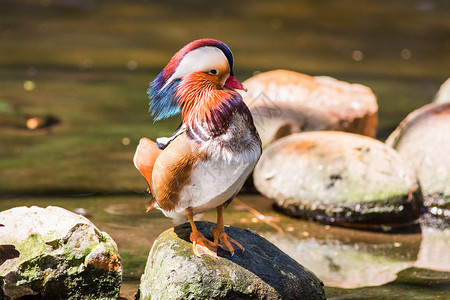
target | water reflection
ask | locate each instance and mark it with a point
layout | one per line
(340, 257)
(434, 252)
(349, 265)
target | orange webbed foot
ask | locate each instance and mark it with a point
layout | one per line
(222, 240)
(202, 246)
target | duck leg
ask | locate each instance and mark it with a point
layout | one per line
(200, 244)
(220, 237)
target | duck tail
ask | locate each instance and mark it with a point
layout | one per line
(144, 159)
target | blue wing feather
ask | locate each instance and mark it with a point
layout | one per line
(163, 101)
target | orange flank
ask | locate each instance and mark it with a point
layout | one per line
(146, 154)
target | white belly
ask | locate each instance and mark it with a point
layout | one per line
(212, 184)
(231, 158)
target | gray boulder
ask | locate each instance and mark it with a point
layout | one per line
(62, 255)
(284, 102)
(339, 178)
(443, 94)
(423, 140)
(262, 271)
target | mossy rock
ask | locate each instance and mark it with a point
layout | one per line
(420, 276)
(339, 178)
(262, 271)
(423, 140)
(62, 255)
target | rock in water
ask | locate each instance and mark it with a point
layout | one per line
(443, 94)
(423, 139)
(284, 102)
(62, 255)
(262, 271)
(339, 178)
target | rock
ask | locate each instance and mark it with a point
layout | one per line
(34, 123)
(262, 271)
(284, 102)
(419, 276)
(62, 255)
(7, 252)
(435, 220)
(339, 178)
(443, 94)
(423, 139)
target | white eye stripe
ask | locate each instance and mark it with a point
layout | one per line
(202, 59)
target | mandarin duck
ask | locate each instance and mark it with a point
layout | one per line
(207, 160)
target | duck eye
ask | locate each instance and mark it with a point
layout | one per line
(213, 72)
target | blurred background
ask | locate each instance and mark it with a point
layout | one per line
(74, 74)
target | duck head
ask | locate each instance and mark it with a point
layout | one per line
(198, 80)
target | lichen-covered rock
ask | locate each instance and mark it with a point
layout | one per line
(7, 252)
(284, 102)
(423, 139)
(62, 255)
(262, 271)
(339, 178)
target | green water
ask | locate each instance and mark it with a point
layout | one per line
(88, 63)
